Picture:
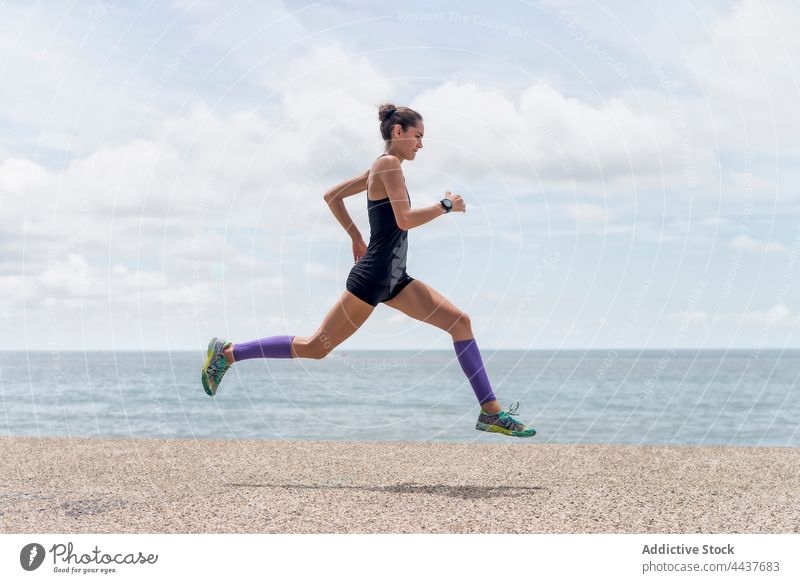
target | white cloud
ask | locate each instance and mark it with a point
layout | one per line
(725, 80)
(69, 80)
(157, 222)
(545, 138)
(11, 295)
(587, 213)
(689, 318)
(204, 166)
(19, 177)
(748, 70)
(748, 243)
(72, 281)
(319, 271)
(778, 314)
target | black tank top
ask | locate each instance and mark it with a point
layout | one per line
(385, 259)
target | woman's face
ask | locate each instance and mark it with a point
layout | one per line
(406, 143)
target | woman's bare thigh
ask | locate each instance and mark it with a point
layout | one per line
(421, 302)
(342, 320)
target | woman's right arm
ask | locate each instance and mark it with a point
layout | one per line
(335, 199)
(388, 170)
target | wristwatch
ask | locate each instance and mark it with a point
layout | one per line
(447, 204)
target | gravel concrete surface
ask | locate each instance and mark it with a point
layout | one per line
(115, 485)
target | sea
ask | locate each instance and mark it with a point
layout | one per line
(650, 397)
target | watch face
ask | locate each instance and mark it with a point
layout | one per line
(447, 203)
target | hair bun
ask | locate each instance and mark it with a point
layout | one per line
(386, 110)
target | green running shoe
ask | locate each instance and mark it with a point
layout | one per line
(215, 366)
(503, 422)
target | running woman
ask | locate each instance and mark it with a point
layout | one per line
(379, 276)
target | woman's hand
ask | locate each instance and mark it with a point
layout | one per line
(359, 248)
(458, 203)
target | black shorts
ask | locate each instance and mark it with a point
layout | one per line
(374, 293)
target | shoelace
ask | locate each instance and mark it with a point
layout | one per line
(512, 410)
(513, 423)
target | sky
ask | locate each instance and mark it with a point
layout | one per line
(630, 170)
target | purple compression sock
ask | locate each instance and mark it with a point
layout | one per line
(272, 347)
(470, 358)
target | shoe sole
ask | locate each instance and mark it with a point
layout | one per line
(204, 375)
(480, 426)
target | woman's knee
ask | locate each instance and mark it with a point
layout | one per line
(316, 347)
(462, 323)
